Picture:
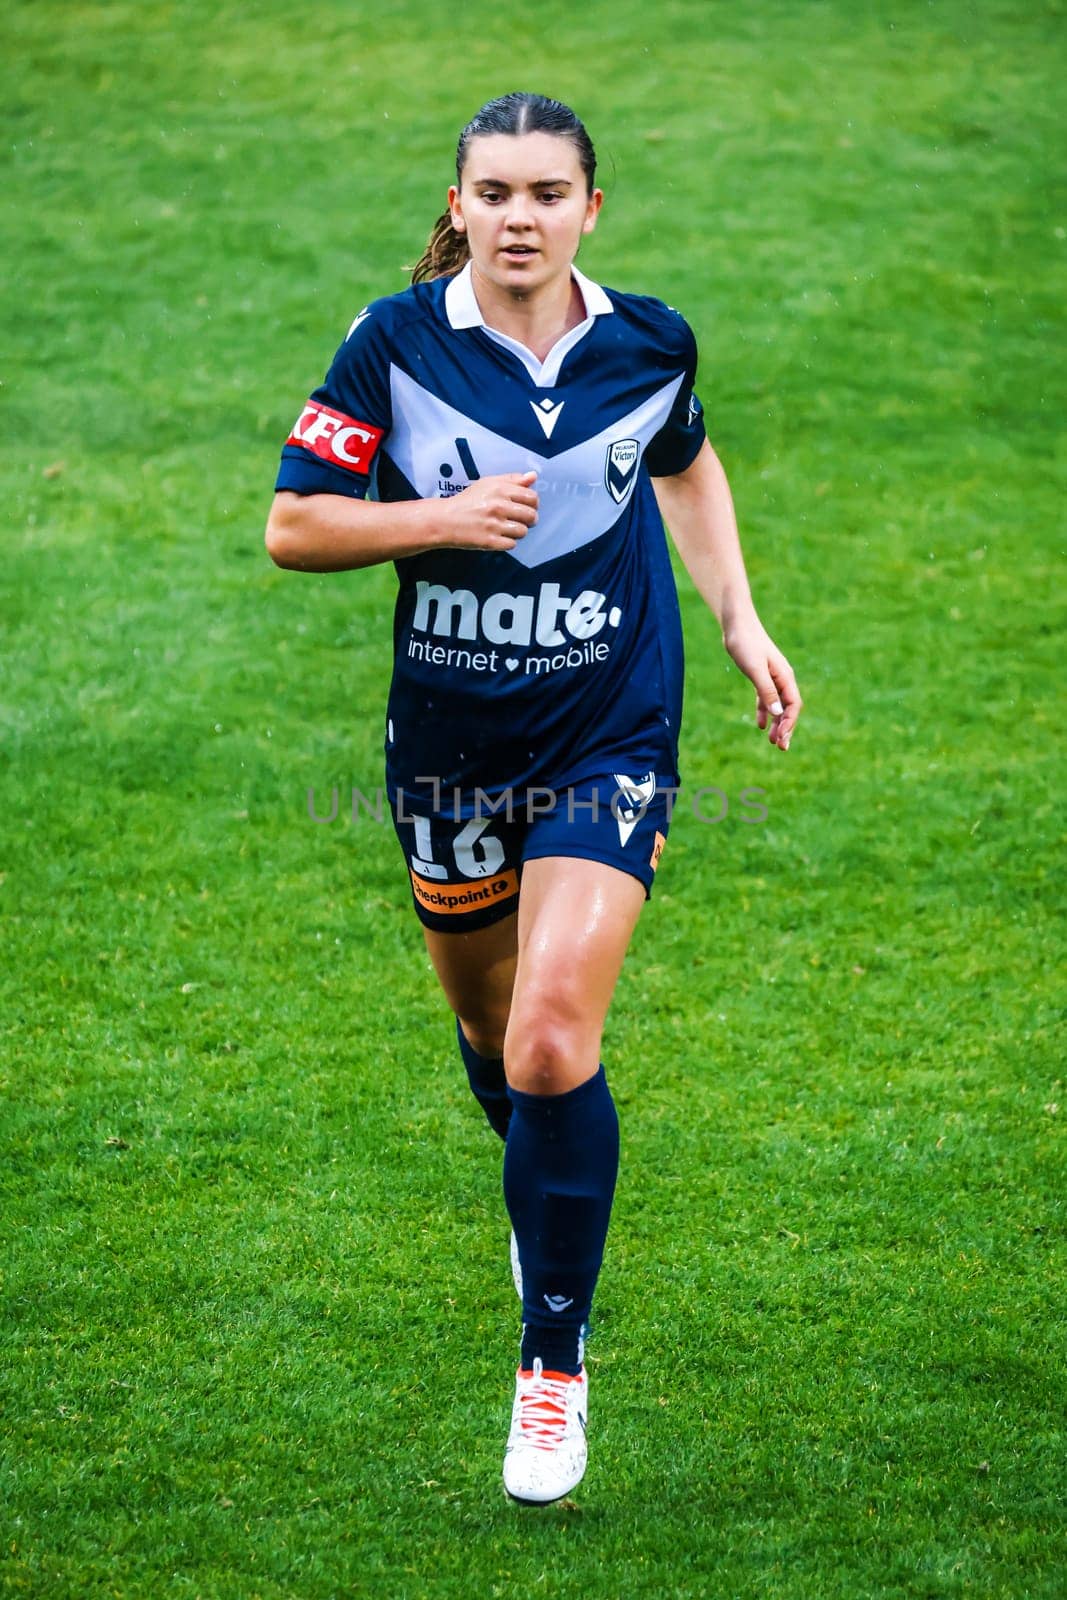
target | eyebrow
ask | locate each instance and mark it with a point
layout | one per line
(538, 183)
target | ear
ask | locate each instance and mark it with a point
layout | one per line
(592, 210)
(454, 206)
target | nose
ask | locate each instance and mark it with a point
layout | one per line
(518, 215)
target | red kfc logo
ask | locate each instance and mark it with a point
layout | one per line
(333, 437)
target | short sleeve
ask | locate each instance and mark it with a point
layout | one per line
(335, 439)
(678, 442)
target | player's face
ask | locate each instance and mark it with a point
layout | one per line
(524, 206)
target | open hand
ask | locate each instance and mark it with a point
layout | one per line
(777, 696)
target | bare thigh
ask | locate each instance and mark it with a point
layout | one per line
(576, 919)
(536, 987)
(477, 973)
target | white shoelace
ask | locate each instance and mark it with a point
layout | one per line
(543, 1408)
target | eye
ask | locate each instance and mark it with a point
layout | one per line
(491, 196)
(550, 195)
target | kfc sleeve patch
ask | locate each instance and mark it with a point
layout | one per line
(335, 438)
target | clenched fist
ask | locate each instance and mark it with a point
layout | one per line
(490, 514)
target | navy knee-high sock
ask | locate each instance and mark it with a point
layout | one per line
(488, 1083)
(560, 1165)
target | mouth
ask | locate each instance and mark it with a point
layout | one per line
(518, 252)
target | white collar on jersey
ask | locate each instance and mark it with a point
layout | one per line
(463, 311)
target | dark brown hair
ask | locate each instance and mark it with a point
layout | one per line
(447, 251)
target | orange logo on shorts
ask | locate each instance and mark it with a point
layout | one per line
(458, 897)
(657, 851)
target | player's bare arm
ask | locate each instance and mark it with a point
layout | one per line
(698, 509)
(332, 533)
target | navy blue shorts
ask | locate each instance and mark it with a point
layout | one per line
(465, 870)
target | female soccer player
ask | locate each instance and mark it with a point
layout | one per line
(522, 430)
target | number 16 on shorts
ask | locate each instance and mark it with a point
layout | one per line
(464, 875)
(465, 872)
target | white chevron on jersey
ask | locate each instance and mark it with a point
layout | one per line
(574, 503)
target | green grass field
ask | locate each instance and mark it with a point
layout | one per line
(251, 1218)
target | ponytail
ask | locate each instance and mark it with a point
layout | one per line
(446, 252)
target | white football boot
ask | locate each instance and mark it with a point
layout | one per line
(516, 1265)
(546, 1452)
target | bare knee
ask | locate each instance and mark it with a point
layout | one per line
(549, 1053)
(485, 1027)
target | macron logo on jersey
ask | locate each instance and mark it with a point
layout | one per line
(335, 438)
(547, 414)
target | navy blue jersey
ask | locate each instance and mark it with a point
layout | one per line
(561, 658)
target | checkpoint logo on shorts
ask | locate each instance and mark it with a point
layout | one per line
(335, 438)
(449, 898)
